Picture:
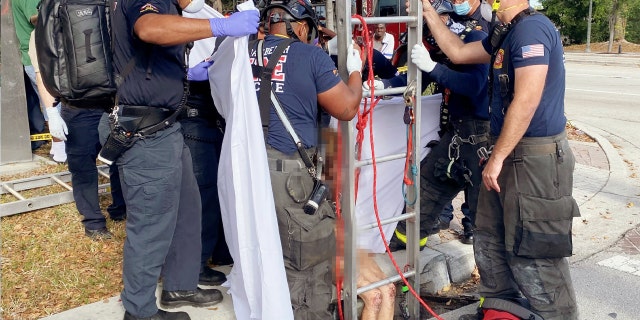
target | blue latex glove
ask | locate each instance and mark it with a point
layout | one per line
(199, 72)
(238, 24)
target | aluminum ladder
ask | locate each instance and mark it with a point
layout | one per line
(344, 26)
(23, 203)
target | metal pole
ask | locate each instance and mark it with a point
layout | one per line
(588, 49)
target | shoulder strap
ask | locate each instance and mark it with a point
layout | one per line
(265, 74)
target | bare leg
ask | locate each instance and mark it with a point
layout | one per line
(378, 303)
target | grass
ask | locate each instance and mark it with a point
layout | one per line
(48, 264)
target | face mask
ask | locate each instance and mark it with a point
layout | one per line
(485, 10)
(194, 6)
(462, 9)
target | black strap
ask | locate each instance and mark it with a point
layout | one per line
(265, 73)
(498, 35)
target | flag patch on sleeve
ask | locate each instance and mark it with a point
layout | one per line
(533, 50)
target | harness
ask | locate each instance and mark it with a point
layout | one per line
(500, 57)
(267, 98)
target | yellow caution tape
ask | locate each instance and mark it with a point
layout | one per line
(40, 136)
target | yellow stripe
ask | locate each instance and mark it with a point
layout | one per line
(40, 136)
(403, 238)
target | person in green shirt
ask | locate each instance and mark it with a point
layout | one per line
(24, 14)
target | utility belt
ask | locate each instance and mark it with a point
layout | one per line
(282, 162)
(529, 146)
(205, 113)
(136, 118)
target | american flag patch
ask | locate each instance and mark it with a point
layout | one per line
(533, 50)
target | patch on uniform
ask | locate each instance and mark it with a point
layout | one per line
(335, 72)
(148, 7)
(478, 27)
(497, 64)
(532, 50)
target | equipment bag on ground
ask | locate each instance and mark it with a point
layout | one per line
(74, 51)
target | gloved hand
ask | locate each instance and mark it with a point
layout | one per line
(377, 84)
(57, 127)
(354, 63)
(237, 25)
(199, 72)
(420, 56)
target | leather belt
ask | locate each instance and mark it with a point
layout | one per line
(285, 165)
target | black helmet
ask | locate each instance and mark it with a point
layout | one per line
(297, 10)
(442, 6)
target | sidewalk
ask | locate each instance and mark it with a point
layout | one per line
(447, 260)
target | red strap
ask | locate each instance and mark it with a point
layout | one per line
(493, 314)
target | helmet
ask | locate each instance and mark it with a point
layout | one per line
(296, 10)
(442, 6)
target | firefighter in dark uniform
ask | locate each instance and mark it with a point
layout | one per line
(452, 164)
(159, 186)
(526, 207)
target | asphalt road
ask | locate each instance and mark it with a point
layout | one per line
(607, 99)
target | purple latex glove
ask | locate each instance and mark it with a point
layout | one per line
(199, 71)
(238, 24)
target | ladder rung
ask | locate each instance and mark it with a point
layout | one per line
(401, 217)
(387, 19)
(102, 173)
(381, 283)
(392, 157)
(13, 192)
(62, 183)
(385, 92)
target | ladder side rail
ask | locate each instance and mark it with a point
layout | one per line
(37, 181)
(347, 199)
(414, 32)
(36, 203)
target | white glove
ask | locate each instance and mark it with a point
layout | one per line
(420, 56)
(354, 63)
(377, 84)
(57, 127)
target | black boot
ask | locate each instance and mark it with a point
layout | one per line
(160, 315)
(194, 298)
(211, 277)
(467, 235)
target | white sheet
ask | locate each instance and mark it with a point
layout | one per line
(390, 138)
(257, 282)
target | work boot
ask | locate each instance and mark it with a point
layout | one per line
(195, 298)
(211, 277)
(398, 242)
(160, 315)
(467, 235)
(98, 234)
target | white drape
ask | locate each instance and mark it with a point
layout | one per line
(257, 282)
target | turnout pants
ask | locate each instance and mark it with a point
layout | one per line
(523, 233)
(163, 219)
(308, 241)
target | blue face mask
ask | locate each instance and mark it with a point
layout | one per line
(462, 9)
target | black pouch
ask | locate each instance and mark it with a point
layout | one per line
(546, 227)
(117, 143)
(310, 239)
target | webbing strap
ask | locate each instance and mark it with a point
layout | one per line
(266, 72)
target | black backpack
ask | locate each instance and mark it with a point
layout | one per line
(74, 52)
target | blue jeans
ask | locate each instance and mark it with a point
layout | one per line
(34, 112)
(204, 139)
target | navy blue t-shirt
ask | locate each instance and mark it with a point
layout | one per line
(303, 71)
(157, 78)
(468, 84)
(534, 40)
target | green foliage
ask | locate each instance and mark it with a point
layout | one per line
(570, 16)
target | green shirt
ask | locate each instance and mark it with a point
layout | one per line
(22, 12)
